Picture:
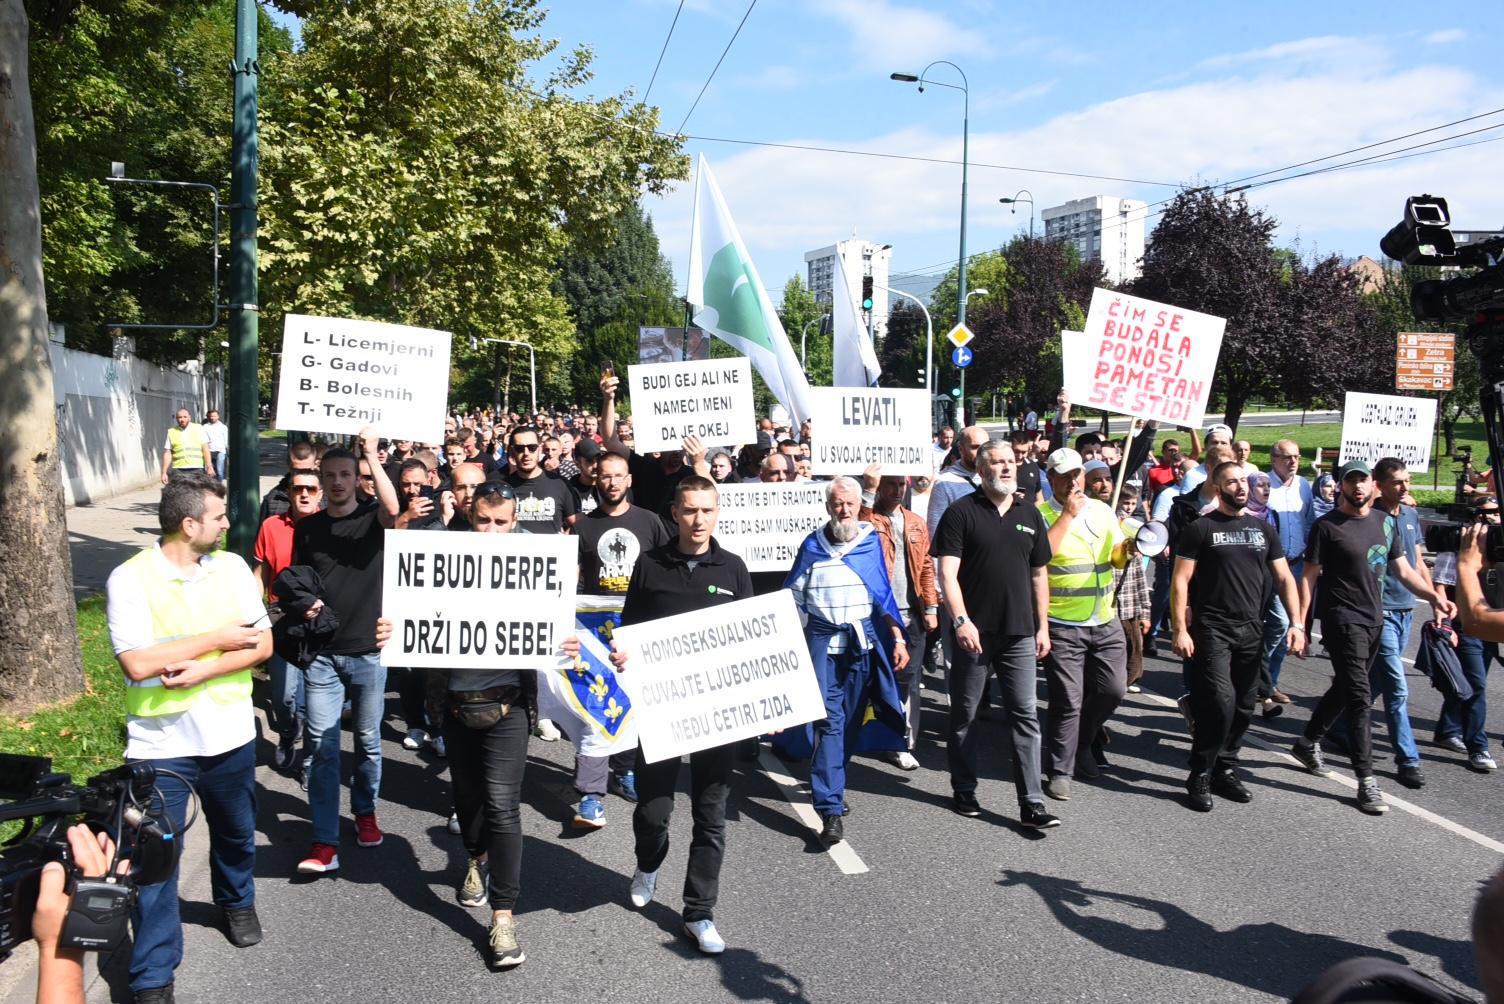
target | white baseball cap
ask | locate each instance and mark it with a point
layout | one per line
(1063, 461)
(1219, 427)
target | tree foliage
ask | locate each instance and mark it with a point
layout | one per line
(902, 352)
(987, 270)
(800, 310)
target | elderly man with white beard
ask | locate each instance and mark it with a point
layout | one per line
(856, 640)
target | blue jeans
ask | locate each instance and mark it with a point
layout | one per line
(219, 459)
(1467, 718)
(1389, 675)
(226, 786)
(289, 708)
(843, 681)
(329, 679)
(1276, 626)
(1159, 597)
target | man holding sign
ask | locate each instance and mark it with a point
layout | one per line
(690, 573)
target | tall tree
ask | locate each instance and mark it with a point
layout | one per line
(987, 270)
(1329, 345)
(1214, 254)
(800, 312)
(902, 352)
(40, 659)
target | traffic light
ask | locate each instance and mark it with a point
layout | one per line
(955, 392)
(866, 292)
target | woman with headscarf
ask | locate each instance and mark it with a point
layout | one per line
(1324, 498)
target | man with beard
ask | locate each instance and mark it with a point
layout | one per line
(959, 479)
(852, 623)
(612, 537)
(993, 552)
(544, 503)
(587, 455)
(1352, 549)
(1224, 563)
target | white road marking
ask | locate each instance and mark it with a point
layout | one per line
(1486, 842)
(842, 854)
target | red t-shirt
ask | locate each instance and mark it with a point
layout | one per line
(1161, 476)
(274, 545)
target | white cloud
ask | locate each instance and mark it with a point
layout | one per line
(888, 36)
(1446, 36)
(788, 201)
(1327, 52)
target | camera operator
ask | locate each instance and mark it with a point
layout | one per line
(187, 623)
(1478, 618)
(60, 971)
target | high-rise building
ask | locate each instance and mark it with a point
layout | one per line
(861, 258)
(1102, 226)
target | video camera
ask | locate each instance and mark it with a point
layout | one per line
(1424, 236)
(123, 801)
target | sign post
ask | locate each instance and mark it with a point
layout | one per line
(1425, 360)
(960, 336)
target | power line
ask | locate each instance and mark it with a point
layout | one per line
(662, 51)
(738, 31)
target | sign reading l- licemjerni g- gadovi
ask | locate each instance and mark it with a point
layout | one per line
(717, 675)
(341, 375)
(478, 600)
(854, 427)
(1375, 426)
(711, 399)
(765, 523)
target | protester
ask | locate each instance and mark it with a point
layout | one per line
(544, 503)
(587, 455)
(301, 459)
(344, 545)
(186, 448)
(1351, 549)
(856, 640)
(993, 553)
(1225, 562)
(1290, 500)
(218, 436)
(1130, 592)
(187, 623)
(692, 572)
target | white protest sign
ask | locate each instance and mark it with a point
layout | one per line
(764, 524)
(857, 426)
(710, 399)
(714, 676)
(478, 600)
(1375, 426)
(340, 375)
(1141, 358)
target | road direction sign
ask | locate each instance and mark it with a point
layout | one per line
(960, 336)
(1425, 360)
(961, 356)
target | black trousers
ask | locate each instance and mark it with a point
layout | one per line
(486, 768)
(709, 787)
(1354, 648)
(1224, 683)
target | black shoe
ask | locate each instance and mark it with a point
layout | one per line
(833, 831)
(156, 995)
(748, 749)
(965, 803)
(285, 756)
(1411, 777)
(1034, 816)
(1272, 708)
(1226, 784)
(1086, 768)
(845, 807)
(1198, 792)
(244, 927)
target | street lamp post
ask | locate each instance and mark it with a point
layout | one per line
(929, 341)
(1013, 202)
(532, 364)
(975, 292)
(804, 341)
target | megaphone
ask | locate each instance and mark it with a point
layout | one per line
(1152, 538)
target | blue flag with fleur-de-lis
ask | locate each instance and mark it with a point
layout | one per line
(588, 689)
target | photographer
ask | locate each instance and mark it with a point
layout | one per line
(60, 971)
(1478, 618)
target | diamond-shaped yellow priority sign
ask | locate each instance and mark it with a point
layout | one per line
(960, 336)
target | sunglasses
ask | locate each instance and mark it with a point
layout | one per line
(497, 489)
(311, 490)
(524, 447)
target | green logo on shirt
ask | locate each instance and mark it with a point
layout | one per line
(713, 589)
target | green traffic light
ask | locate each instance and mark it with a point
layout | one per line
(955, 392)
(867, 303)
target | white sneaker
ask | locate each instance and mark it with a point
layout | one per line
(643, 886)
(547, 731)
(1482, 761)
(439, 748)
(414, 739)
(1134, 688)
(454, 823)
(903, 760)
(706, 936)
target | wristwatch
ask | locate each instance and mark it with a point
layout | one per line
(963, 619)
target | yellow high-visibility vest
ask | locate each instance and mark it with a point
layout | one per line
(187, 445)
(180, 609)
(1080, 572)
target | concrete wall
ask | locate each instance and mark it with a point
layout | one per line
(113, 414)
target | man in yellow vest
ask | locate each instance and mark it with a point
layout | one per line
(188, 623)
(1086, 669)
(186, 448)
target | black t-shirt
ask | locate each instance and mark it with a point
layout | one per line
(584, 497)
(998, 554)
(651, 488)
(1028, 481)
(1354, 553)
(611, 545)
(543, 503)
(1232, 555)
(666, 582)
(346, 552)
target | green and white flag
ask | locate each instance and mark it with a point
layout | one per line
(729, 300)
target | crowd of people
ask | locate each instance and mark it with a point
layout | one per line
(1022, 557)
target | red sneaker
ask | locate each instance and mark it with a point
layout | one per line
(323, 858)
(367, 833)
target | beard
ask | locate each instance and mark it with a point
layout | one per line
(1000, 486)
(1231, 500)
(843, 531)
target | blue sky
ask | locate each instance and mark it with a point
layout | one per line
(1156, 92)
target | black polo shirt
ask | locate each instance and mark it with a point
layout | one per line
(666, 582)
(998, 556)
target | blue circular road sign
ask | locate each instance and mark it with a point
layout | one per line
(961, 356)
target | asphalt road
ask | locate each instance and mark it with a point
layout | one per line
(1135, 898)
